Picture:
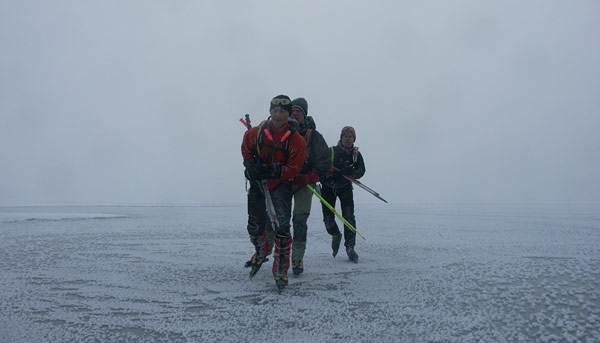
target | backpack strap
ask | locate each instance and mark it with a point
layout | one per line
(332, 155)
(308, 136)
(284, 148)
(259, 137)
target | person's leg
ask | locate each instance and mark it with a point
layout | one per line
(270, 235)
(302, 205)
(256, 227)
(347, 202)
(282, 201)
(329, 219)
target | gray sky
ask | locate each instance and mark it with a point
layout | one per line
(452, 101)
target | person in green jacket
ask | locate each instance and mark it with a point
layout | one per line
(315, 166)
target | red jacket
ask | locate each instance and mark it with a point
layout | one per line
(297, 151)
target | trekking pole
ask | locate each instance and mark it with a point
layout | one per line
(270, 207)
(246, 122)
(361, 185)
(335, 212)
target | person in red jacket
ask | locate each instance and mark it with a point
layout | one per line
(273, 156)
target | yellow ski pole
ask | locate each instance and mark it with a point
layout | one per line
(334, 211)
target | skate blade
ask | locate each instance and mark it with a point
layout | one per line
(253, 272)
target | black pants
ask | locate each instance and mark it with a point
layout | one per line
(257, 210)
(347, 201)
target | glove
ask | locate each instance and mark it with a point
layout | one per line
(304, 179)
(333, 172)
(252, 169)
(270, 171)
(348, 170)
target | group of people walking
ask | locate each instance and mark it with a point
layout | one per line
(284, 157)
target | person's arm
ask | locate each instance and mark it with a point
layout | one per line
(321, 154)
(249, 143)
(359, 167)
(297, 155)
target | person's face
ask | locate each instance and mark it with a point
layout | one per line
(279, 117)
(298, 115)
(347, 140)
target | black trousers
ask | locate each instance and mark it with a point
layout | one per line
(257, 210)
(347, 201)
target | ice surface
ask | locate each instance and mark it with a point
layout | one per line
(427, 273)
(16, 216)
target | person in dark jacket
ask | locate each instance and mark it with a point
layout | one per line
(316, 165)
(345, 160)
(273, 156)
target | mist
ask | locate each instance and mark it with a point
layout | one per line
(139, 101)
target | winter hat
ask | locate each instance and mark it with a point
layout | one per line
(283, 102)
(350, 130)
(301, 104)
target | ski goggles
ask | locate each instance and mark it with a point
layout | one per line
(280, 102)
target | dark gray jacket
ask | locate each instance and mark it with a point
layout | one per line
(317, 157)
(343, 160)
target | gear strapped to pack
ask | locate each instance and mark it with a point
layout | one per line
(260, 141)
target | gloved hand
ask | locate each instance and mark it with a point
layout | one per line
(270, 171)
(252, 169)
(348, 170)
(333, 172)
(304, 179)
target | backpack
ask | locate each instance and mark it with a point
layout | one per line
(265, 139)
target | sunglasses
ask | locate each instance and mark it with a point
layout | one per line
(280, 102)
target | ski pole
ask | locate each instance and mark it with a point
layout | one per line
(246, 122)
(335, 212)
(270, 207)
(361, 185)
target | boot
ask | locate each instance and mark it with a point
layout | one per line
(248, 263)
(256, 263)
(352, 255)
(281, 282)
(297, 267)
(261, 246)
(335, 243)
(281, 263)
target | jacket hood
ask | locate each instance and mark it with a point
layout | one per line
(309, 123)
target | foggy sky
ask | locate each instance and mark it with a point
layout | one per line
(107, 102)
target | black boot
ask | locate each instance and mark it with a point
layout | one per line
(335, 243)
(352, 255)
(297, 267)
(281, 262)
(281, 281)
(261, 247)
(248, 263)
(256, 263)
